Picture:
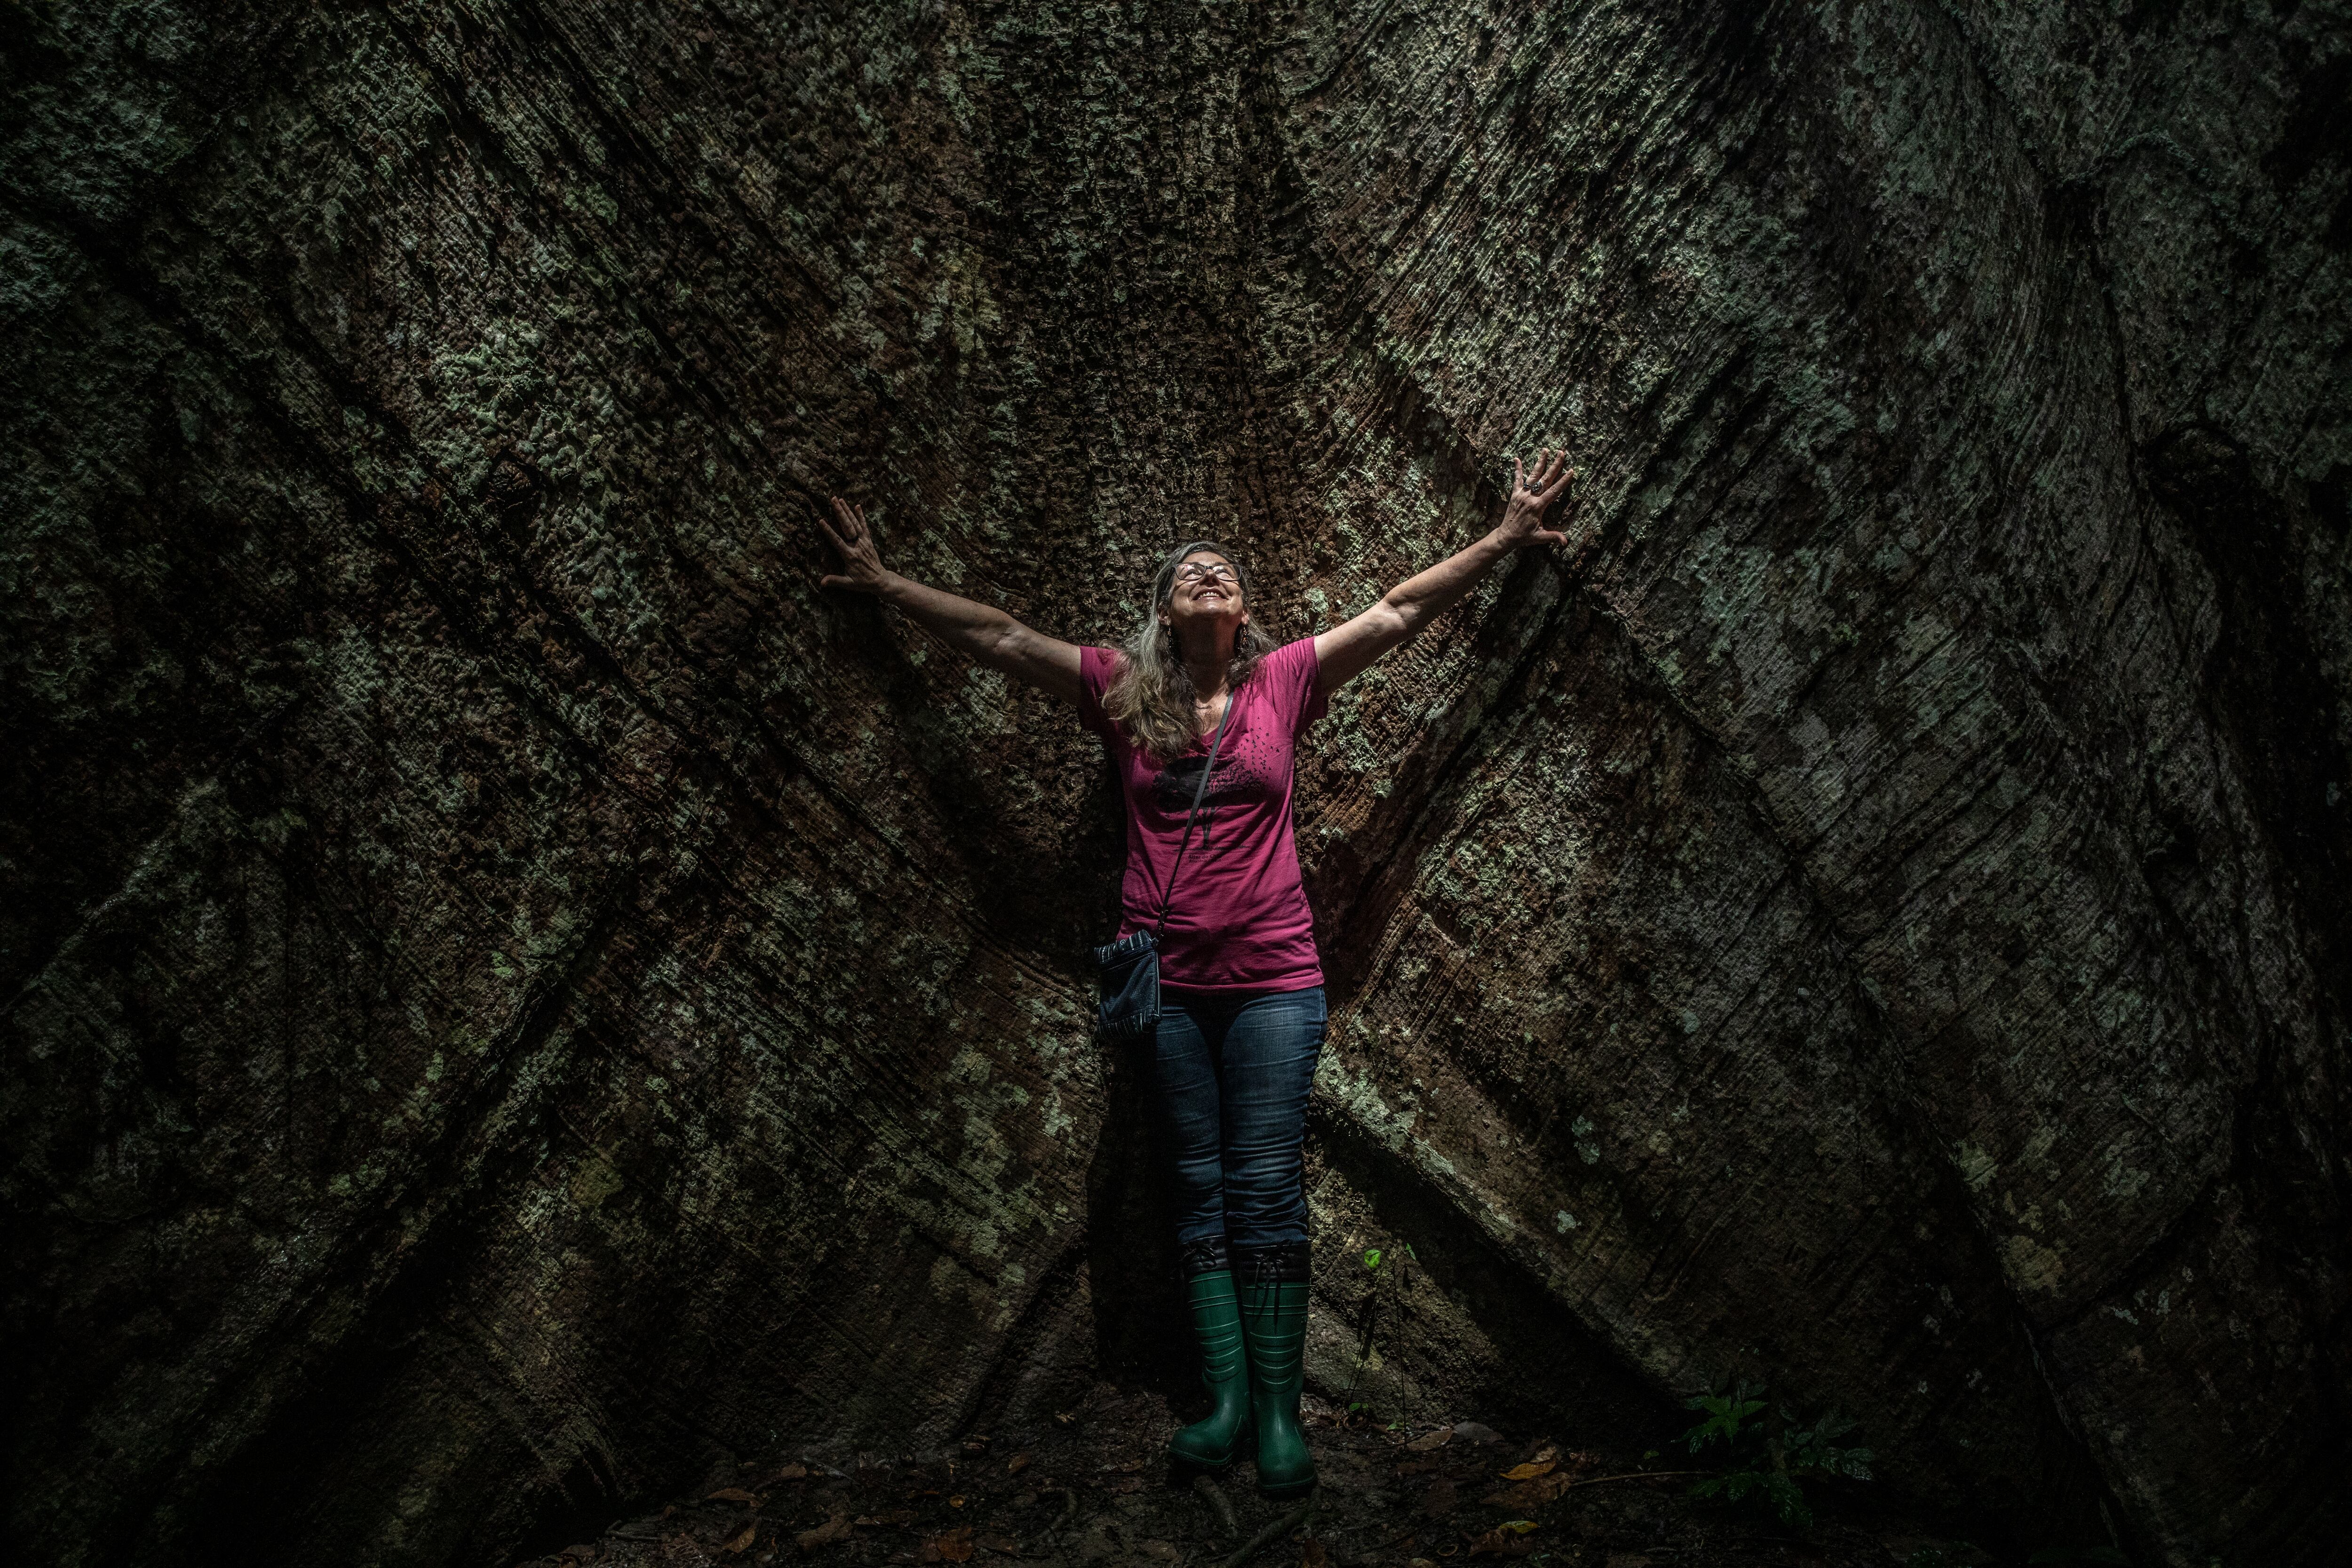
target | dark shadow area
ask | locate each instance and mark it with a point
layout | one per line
(1547, 1374)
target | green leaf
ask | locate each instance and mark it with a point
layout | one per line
(1372, 1258)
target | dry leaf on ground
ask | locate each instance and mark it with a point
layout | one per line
(732, 1494)
(1313, 1555)
(1004, 1543)
(1530, 1495)
(1015, 1465)
(743, 1542)
(826, 1534)
(1627, 1559)
(1428, 1440)
(1506, 1539)
(789, 1473)
(948, 1546)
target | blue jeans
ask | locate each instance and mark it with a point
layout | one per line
(1234, 1077)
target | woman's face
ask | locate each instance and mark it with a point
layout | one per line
(1207, 594)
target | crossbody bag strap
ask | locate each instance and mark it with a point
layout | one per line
(1168, 897)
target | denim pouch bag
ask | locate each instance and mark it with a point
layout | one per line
(1128, 969)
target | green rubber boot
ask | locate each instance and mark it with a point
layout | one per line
(1274, 1323)
(1218, 1440)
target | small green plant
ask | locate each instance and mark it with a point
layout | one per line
(1767, 1452)
(1381, 1266)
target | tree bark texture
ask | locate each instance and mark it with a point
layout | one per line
(511, 989)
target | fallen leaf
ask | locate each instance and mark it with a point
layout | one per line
(1129, 1467)
(1516, 1526)
(1428, 1440)
(1527, 1472)
(1420, 1563)
(948, 1546)
(1471, 1432)
(1004, 1543)
(1627, 1559)
(1015, 1465)
(1530, 1495)
(1161, 1551)
(1313, 1555)
(1504, 1541)
(1128, 1484)
(955, 1503)
(732, 1494)
(1547, 1452)
(975, 1444)
(791, 1473)
(578, 1554)
(743, 1541)
(826, 1534)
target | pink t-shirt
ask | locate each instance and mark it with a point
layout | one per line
(1239, 921)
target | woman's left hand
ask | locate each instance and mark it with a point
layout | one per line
(1532, 495)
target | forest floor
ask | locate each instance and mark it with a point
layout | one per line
(1096, 1491)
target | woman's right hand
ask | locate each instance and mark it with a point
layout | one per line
(861, 564)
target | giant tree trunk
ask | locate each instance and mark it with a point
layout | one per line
(511, 987)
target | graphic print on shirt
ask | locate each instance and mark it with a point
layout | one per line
(1238, 781)
(1172, 787)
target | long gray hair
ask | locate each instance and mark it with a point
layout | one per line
(1152, 695)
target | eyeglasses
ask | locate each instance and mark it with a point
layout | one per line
(1203, 572)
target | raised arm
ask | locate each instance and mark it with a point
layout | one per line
(983, 632)
(1347, 650)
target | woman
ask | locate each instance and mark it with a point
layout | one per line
(1241, 1010)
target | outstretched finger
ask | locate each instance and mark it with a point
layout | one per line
(1519, 476)
(831, 533)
